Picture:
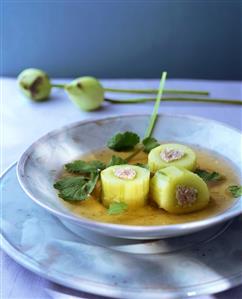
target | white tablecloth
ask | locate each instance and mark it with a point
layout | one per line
(24, 121)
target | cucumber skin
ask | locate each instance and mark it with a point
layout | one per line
(163, 189)
(132, 192)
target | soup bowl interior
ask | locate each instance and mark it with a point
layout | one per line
(41, 164)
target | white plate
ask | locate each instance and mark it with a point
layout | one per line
(196, 264)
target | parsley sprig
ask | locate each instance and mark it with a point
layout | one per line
(129, 140)
(235, 190)
(76, 188)
(117, 208)
(123, 141)
(82, 167)
(208, 176)
(115, 160)
(149, 143)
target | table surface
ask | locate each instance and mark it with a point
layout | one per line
(23, 121)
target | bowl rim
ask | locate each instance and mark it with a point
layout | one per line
(91, 224)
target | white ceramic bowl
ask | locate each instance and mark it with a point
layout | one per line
(41, 163)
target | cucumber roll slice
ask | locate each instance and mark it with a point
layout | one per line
(171, 154)
(125, 183)
(178, 190)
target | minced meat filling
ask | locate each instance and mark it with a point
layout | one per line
(185, 195)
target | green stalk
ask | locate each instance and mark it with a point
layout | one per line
(153, 117)
(147, 91)
(135, 153)
(175, 99)
(191, 92)
(155, 91)
(58, 85)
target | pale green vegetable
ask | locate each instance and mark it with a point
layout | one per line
(128, 184)
(34, 84)
(171, 154)
(178, 190)
(86, 93)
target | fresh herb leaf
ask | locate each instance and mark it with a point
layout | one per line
(117, 208)
(81, 167)
(236, 191)
(70, 188)
(150, 143)
(115, 160)
(142, 165)
(76, 188)
(123, 141)
(209, 176)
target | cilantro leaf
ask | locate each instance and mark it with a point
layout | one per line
(209, 176)
(150, 143)
(81, 167)
(117, 208)
(76, 188)
(123, 141)
(236, 191)
(115, 160)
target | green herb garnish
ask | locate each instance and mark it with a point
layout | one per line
(149, 144)
(80, 166)
(209, 176)
(123, 141)
(235, 190)
(115, 160)
(80, 187)
(117, 208)
(76, 188)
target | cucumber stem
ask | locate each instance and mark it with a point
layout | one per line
(155, 91)
(175, 99)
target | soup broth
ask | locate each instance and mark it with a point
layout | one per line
(220, 198)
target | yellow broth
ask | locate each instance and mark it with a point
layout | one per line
(220, 198)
